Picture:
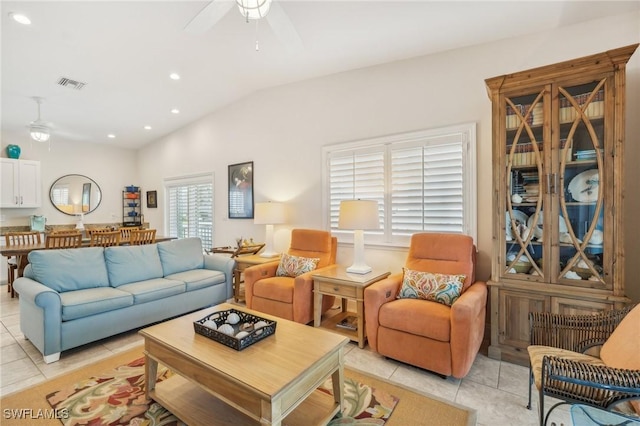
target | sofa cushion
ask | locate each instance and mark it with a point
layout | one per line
(154, 289)
(427, 319)
(198, 278)
(292, 266)
(91, 301)
(439, 288)
(181, 255)
(130, 264)
(622, 348)
(69, 269)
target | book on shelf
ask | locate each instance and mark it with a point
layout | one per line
(349, 323)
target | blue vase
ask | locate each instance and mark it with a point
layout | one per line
(13, 151)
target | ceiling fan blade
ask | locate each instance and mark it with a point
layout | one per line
(283, 28)
(209, 16)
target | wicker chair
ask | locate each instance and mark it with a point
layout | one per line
(561, 369)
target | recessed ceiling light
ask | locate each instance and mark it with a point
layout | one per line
(111, 136)
(147, 127)
(20, 18)
(174, 76)
(175, 111)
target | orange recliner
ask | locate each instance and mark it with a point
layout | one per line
(425, 333)
(288, 297)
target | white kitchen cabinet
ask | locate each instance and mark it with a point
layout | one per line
(21, 185)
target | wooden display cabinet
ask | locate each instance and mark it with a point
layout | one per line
(558, 144)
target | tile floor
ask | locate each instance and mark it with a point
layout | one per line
(496, 390)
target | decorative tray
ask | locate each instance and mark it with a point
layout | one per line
(234, 328)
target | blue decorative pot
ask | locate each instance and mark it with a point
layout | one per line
(13, 151)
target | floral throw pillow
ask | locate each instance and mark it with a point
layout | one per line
(439, 288)
(292, 266)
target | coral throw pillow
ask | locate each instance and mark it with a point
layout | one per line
(439, 288)
(622, 348)
(292, 266)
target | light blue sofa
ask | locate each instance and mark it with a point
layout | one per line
(71, 297)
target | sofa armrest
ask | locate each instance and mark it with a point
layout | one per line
(255, 273)
(376, 295)
(223, 264)
(467, 327)
(37, 294)
(40, 315)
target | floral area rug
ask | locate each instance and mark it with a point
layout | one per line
(117, 397)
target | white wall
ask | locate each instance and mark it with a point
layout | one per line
(283, 129)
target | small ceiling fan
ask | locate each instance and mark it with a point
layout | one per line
(39, 129)
(251, 10)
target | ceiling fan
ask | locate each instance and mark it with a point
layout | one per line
(39, 129)
(251, 10)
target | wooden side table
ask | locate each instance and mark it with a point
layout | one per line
(242, 263)
(335, 281)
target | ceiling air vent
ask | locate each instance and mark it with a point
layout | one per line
(73, 84)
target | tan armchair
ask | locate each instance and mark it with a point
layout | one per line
(287, 297)
(425, 333)
(563, 364)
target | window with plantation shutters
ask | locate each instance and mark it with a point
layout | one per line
(190, 208)
(423, 182)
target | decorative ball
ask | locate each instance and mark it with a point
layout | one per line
(226, 329)
(241, 334)
(210, 324)
(260, 324)
(233, 318)
(13, 151)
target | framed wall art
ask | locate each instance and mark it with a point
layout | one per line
(152, 199)
(241, 191)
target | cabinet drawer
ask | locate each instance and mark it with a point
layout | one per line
(337, 289)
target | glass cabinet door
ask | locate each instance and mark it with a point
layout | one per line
(581, 184)
(524, 155)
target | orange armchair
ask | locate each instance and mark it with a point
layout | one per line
(425, 333)
(287, 297)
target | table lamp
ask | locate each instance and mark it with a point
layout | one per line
(359, 215)
(269, 214)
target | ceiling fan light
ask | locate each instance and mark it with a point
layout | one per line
(254, 9)
(39, 132)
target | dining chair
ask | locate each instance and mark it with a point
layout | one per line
(91, 231)
(142, 236)
(108, 238)
(16, 239)
(125, 232)
(62, 231)
(63, 240)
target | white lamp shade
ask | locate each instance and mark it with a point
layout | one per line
(269, 213)
(254, 9)
(359, 214)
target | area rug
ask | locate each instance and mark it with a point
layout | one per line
(31, 405)
(117, 397)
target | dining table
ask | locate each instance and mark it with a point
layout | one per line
(21, 251)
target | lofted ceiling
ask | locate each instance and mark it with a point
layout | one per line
(124, 52)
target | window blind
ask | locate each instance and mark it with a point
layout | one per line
(423, 181)
(190, 211)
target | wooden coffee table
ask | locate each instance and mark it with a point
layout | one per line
(271, 381)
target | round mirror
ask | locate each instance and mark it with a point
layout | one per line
(75, 194)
